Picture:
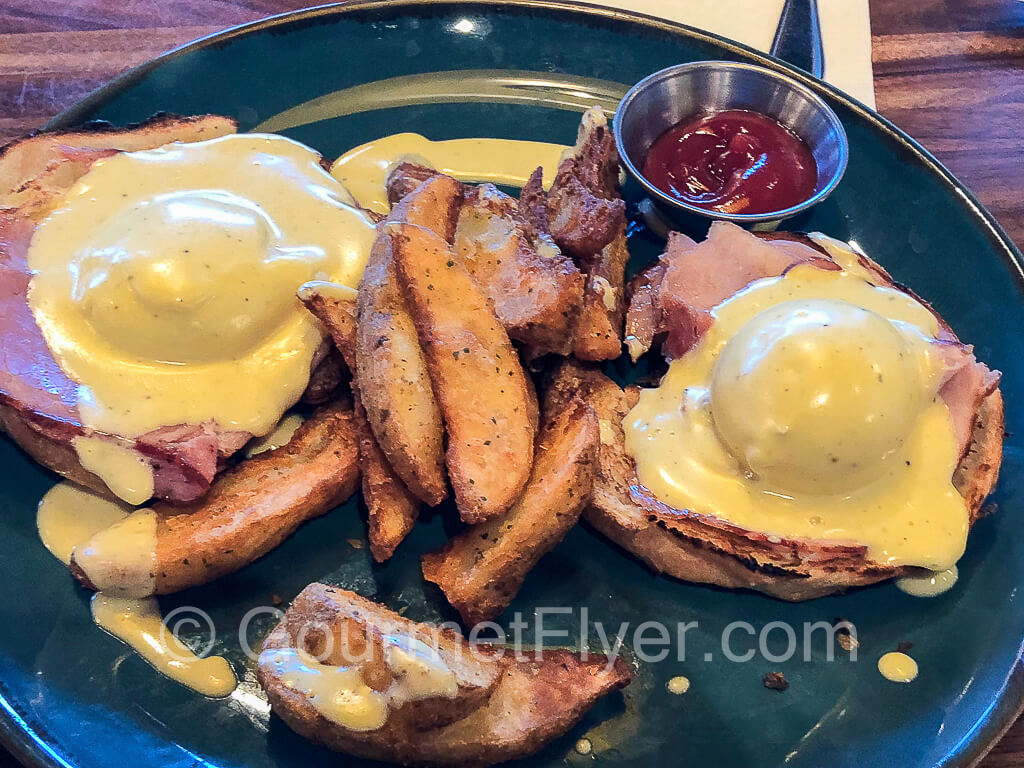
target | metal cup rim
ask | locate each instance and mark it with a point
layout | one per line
(738, 218)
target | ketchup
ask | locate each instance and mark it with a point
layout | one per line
(734, 161)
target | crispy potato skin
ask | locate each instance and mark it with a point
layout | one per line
(392, 508)
(585, 214)
(352, 622)
(537, 292)
(395, 386)
(433, 205)
(687, 548)
(478, 379)
(251, 508)
(404, 178)
(482, 568)
(256, 505)
(599, 329)
(528, 702)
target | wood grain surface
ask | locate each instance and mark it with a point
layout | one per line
(949, 72)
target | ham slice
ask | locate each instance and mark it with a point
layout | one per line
(674, 299)
(700, 276)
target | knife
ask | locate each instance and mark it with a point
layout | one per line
(798, 37)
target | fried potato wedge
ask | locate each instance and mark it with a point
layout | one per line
(397, 394)
(392, 508)
(251, 508)
(404, 178)
(599, 328)
(340, 628)
(395, 387)
(586, 217)
(482, 568)
(433, 205)
(504, 708)
(477, 376)
(537, 292)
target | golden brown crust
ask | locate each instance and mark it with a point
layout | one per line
(537, 292)
(533, 701)
(706, 550)
(435, 206)
(392, 509)
(599, 328)
(396, 389)
(404, 178)
(334, 625)
(254, 506)
(481, 570)
(251, 508)
(34, 168)
(56, 454)
(477, 377)
(586, 217)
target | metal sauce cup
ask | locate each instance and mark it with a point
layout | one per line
(666, 98)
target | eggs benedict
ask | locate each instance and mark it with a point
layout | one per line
(818, 426)
(154, 326)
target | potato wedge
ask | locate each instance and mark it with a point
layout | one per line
(341, 628)
(537, 292)
(587, 219)
(396, 389)
(433, 205)
(478, 379)
(251, 508)
(526, 703)
(404, 179)
(599, 326)
(482, 568)
(392, 508)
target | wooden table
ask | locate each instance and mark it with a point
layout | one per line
(950, 72)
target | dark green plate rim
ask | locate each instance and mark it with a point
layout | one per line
(31, 748)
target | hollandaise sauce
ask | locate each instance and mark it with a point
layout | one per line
(364, 169)
(341, 694)
(810, 409)
(277, 437)
(70, 520)
(139, 624)
(897, 667)
(164, 282)
(923, 583)
(69, 515)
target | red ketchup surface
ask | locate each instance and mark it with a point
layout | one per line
(734, 161)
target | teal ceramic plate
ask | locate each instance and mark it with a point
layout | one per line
(72, 695)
